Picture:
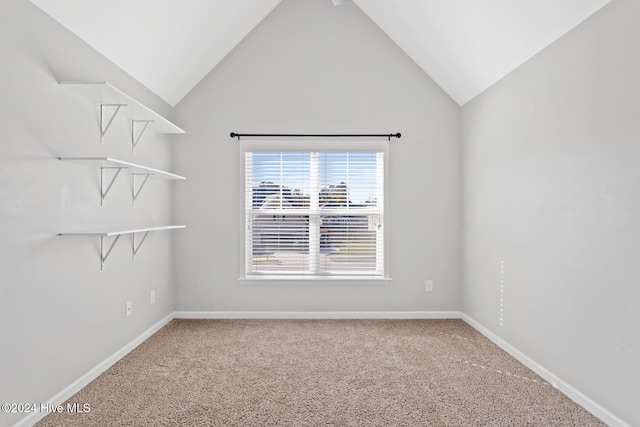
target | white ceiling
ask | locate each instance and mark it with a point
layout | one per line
(468, 45)
(463, 45)
(167, 45)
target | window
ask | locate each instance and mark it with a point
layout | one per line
(314, 213)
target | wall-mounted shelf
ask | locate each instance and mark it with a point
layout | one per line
(105, 234)
(109, 163)
(112, 100)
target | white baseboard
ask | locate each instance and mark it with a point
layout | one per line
(574, 394)
(553, 379)
(84, 380)
(317, 315)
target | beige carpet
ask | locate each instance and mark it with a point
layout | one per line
(320, 373)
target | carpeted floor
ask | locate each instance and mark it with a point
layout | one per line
(320, 373)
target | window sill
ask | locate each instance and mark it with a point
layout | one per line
(313, 280)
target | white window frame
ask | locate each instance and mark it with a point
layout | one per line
(255, 145)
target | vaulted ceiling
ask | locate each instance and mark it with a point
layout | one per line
(463, 45)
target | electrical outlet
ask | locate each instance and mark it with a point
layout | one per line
(428, 285)
(152, 297)
(128, 309)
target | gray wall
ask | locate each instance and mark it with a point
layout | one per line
(551, 157)
(60, 315)
(310, 67)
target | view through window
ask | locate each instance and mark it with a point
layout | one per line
(314, 213)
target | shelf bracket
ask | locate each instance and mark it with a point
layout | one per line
(135, 193)
(105, 254)
(103, 191)
(134, 248)
(105, 127)
(136, 138)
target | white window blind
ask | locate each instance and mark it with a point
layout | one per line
(314, 213)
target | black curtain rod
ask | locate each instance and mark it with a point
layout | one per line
(292, 135)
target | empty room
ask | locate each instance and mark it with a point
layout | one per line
(320, 212)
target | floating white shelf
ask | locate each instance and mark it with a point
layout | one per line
(105, 234)
(113, 100)
(107, 163)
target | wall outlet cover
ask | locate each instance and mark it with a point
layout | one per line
(428, 285)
